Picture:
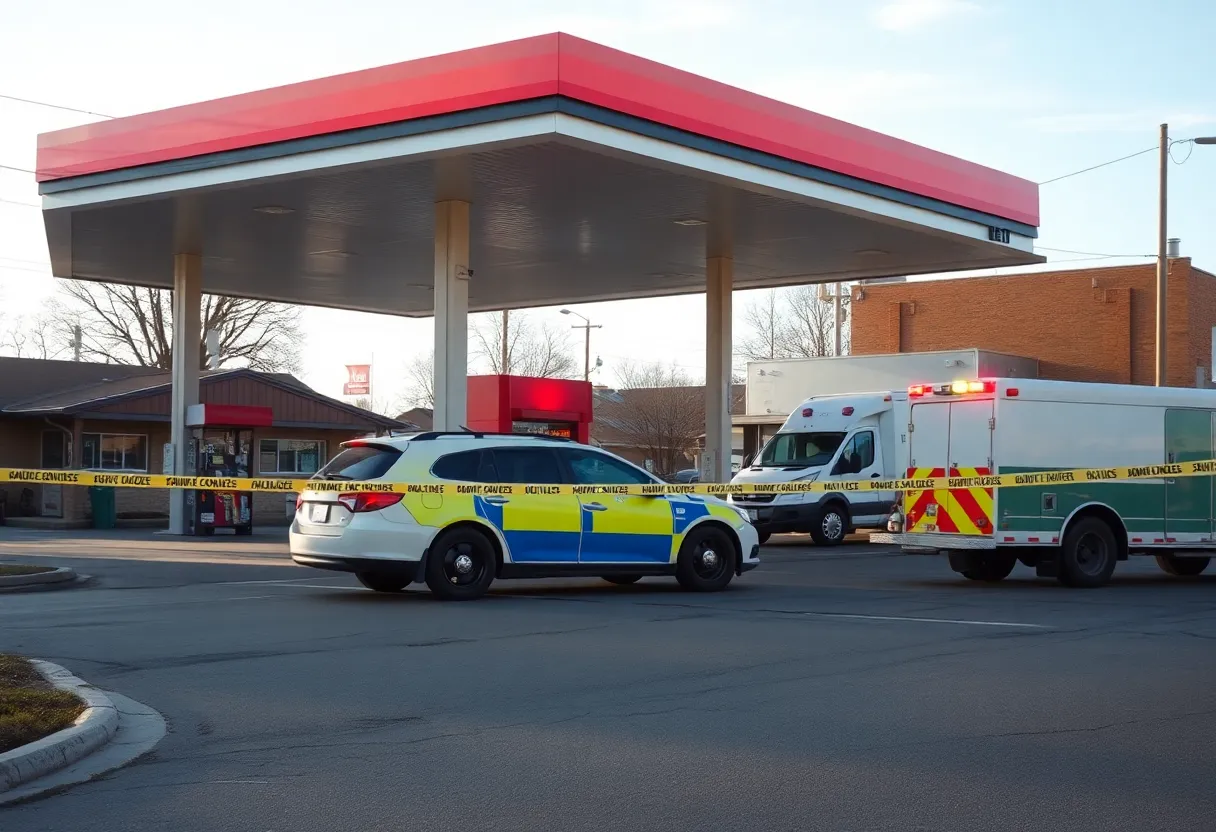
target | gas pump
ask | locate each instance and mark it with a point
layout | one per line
(220, 445)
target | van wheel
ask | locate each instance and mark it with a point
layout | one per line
(382, 581)
(1182, 567)
(832, 525)
(707, 559)
(460, 566)
(1089, 554)
(762, 537)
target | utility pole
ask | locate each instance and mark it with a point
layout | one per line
(505, 360)
(77, 342)
(1163, 267)
(839, 322)
(586, 326)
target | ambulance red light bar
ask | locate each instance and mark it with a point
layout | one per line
(955, 388)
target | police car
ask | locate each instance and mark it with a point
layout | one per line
(458, 543)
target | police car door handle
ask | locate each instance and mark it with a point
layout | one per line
(497, 501)
(595, 506)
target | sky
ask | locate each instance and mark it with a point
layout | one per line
(1037, 88)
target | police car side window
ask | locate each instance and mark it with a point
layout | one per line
(536, 466)
(590, 468)
(461, 467)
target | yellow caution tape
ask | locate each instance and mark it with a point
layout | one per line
(1202, 468)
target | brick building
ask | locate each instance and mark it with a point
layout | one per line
(109, 417)
(1082, 325)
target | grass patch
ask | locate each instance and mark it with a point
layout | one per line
(30, 706)
(19, 569)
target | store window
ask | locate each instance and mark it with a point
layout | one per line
(114, 452)
(290, 456)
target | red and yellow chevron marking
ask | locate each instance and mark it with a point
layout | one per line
(959, 511)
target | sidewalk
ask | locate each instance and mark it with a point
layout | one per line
(267, 546)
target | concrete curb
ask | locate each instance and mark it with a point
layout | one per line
(59, 575)
(94, 728)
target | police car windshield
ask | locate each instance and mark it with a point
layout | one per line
(800, 449)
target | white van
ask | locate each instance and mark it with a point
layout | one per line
(843, 437)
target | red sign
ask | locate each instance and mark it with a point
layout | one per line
(359, 380)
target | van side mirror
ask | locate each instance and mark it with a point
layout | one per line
(747, 460)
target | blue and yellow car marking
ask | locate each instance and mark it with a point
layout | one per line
(566, 529)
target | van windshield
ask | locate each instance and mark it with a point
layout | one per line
(801, 449)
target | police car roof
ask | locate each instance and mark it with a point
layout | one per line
(401, 440)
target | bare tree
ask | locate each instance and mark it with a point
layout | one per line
(420, 381)
(794, 323)
(31, 338)
(134, 325)
(541, 352)
(763, 320)
(657, 410)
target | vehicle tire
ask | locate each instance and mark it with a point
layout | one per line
(707, 559)
(1089, 554)
(763, 537)
(460, 566)
(383, 581)
(622, 580)
(964, 562)
(991, 568)
(832, 525)
(1182, 567)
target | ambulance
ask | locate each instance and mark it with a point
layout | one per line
(1075, 530)
(829, 439)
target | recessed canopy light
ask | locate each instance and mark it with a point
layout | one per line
(871, 252)
(331, 252)
(274, 209)
(690, 221)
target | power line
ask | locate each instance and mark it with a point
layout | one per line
(1096, 167)
(1089, 253)
(54, 106)
(1170, 150)
(19, 170)
(15, 202)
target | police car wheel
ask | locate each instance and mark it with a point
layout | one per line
(460, 566)
(622, 580)
(706, 562)
(382, 581)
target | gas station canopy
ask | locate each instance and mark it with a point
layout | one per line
(591, 175)
(542, 171)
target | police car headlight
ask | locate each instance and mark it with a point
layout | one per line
(742, 513)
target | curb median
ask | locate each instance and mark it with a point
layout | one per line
(61, 574)
(95, 727)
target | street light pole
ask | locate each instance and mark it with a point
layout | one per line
(586, 326)
(1163, 268)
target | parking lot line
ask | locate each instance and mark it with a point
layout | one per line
(917, 620)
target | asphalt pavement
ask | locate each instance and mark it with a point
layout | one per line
(850, 690)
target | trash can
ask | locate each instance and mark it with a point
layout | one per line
(105, 512)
